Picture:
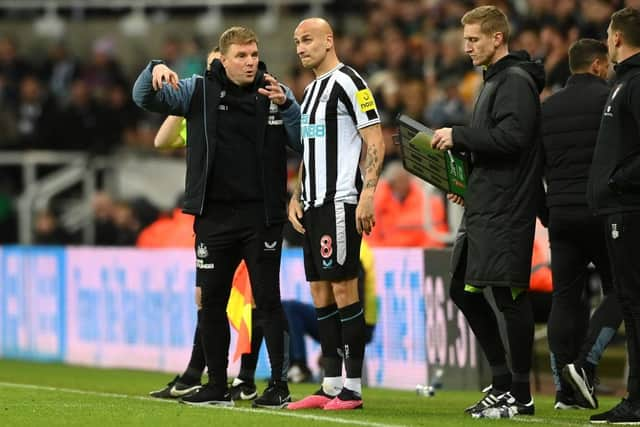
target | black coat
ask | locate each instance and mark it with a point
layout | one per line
(614, 180)
(504, 186)
(570, 123)
(197, 99)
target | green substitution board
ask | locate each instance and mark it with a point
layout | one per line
(443, 169)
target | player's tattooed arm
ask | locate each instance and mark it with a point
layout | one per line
(372, 136)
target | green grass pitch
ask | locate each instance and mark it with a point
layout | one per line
(38, 394)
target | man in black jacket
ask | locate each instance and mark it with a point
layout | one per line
(613, 191)
(570, 122)
(495, 240)
(238, 121)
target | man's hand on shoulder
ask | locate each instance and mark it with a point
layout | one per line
(162, 74)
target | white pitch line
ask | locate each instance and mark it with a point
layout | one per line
(235, 408)
(528, 419)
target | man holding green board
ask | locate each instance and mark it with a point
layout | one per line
(494, 244)
(443, 169)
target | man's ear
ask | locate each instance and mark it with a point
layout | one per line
(498, 38)
(618, 38)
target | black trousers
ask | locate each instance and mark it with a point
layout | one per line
(622, 237)
(577, 239)
(517, 313)
(225, 235)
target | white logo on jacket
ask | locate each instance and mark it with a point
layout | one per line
(270, 247)
(202, 251)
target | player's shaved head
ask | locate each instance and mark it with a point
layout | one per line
(319, 26)
(314, 44)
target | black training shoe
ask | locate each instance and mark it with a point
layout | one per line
(624, 412)
(275, 396)
(176, 389)
(566, 401)
(491, 397)
(209, 395)
(507, 407)
(243, 390)
(583, 385)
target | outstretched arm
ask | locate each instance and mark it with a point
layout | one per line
(158, 89)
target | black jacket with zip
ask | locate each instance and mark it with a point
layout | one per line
(614, 179)
(197, 99)
(570, 123)
(504, 189)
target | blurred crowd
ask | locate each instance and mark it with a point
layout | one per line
(410, 52)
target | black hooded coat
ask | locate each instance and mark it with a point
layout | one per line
(504, 191)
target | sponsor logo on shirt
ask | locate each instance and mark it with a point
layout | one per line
(365, 100)
(312, 130)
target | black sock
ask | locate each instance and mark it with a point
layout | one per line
(500, 379)
(276, 337)
(330, 332)
(520, 388)
(216, 336)
(353, 336)
(483, 323)
(248, 362)
(518, 316)
(196, 363)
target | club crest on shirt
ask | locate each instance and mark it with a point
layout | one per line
(365, 100)
(202, 251)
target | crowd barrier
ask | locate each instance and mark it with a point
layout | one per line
(131, 308)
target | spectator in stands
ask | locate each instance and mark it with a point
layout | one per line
(413, 98)
(105, 229)
(402, 211)
(12, 69)
(556, 63)
(191, 58)
(119, 118)
(33, 114)
(528, 38)
(58, 71)
(103, 70)
(48, 231)
(449, 109)
(77, 126)
(451, 63)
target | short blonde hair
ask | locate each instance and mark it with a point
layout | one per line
(491, 19)
(236, 35)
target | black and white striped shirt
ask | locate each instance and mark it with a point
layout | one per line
(335, 106)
